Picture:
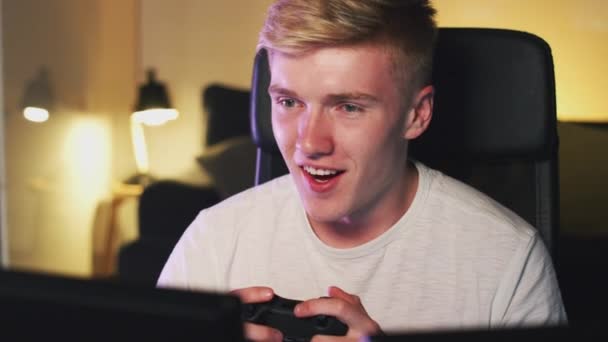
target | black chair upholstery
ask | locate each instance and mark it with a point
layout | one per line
(166, 208)
(493, 127)
(269, 163)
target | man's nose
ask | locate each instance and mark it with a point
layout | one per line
(315, 135)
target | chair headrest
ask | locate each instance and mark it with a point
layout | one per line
(495, 97)
(260, 106)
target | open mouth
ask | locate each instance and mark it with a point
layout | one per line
(321, 175)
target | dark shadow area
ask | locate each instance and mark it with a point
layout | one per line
(582, 260)
(582, 263)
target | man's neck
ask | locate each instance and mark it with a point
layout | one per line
(358, 229)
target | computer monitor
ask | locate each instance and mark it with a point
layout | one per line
(60, 308)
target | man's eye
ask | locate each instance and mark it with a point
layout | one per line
(351, 108)
(289, 103)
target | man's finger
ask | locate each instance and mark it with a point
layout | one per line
(353, 315)
(325, 338)
(256, 294)
(255, 332)
(325, 306)
(337, 292)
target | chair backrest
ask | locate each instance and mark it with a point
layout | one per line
(494, 124)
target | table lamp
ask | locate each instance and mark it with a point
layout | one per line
(153, 109)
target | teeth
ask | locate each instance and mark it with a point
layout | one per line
(319, 172)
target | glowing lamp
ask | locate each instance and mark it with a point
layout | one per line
(153, 109)
(36, 114)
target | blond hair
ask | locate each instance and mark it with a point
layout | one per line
(405, 27)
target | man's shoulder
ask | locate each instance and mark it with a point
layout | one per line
(471, 211)
(466, 225)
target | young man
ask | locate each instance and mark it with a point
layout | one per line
(393, 244)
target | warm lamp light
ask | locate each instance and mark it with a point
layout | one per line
(155, 116)
(139, 147)
(153, 109)
(36, 114)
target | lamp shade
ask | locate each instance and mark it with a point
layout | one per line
(153, 106)
(37, 98)
(152, 95)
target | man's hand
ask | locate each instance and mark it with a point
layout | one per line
(345, 307)
(256, 332)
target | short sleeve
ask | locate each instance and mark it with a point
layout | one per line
(528, 294)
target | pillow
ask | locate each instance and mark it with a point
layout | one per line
(227, 113)
(230, 164)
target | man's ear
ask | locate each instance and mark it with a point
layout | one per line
(419, 116)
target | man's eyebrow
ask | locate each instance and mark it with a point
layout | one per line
(356, 96)
(351, 96)
(275, 89)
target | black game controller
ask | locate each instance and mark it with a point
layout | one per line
(278, 314)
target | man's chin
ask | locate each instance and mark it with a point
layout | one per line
(321, 208)
(325, 216)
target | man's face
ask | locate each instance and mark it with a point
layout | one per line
(339, 120)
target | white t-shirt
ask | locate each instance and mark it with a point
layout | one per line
(455, 259)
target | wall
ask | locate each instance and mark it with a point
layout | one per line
(92, 53)
(57, 172)
(193, 43)
(4, 247)
(583, 171)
